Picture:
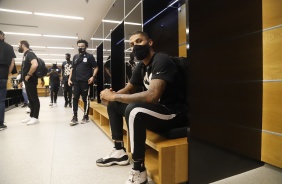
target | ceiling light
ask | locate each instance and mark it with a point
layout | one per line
(59, 16)
(57, 36)
(132, 23)
(23, 34)
(60, 48)
(42, 47)
(91, 49)
(57, 54)
(112, 21)
(102, 39)
(15, 11)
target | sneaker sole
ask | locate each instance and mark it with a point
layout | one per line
(32, 123)
(122, 163)
(83, 122)
(73, 124)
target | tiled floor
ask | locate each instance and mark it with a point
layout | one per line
(52, 152)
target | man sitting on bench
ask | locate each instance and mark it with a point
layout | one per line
(158, 108)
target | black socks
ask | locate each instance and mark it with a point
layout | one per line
(139, 165)
(119, 145)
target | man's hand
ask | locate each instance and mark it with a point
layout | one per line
(90, 80)
(108, 95)
(69, 82)
(26, 78)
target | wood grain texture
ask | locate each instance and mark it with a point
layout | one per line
(272, 13)
(272, 55)
(271, 149)
(272, 107)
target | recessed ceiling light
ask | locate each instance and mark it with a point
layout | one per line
(59, 16)
(15, 11)
(57, 36)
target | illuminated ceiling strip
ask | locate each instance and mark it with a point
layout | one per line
(23, 34)
(57, 36)
(15, 11)
(57, 54)
(58, 16)
(133, 23)
(91, 49)
(102, 39)
(160, 12)
(60, 48)
(112, 21)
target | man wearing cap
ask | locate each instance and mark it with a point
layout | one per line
(66, 68)
(7, 63)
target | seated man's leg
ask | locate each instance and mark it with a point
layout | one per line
(139, 117)
(118, 155)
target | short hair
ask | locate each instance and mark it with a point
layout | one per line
(2, 33)
(24, 42)
(67, 54)
(82, 41)
(142, 33)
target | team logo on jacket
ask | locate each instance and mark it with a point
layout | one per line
(84, 60)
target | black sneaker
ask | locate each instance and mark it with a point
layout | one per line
(24, 105)
(116, 157)
(84, 120)
(66, 104)
(3, 127)
(74, 121)
(70, 105)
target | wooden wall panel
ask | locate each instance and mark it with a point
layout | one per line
(272, 55)
(272, 107)
(272, 13)
(272, 149)
(182, 31)
(272, 91)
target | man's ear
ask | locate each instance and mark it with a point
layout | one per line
(151, 42)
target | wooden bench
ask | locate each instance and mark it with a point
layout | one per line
(166, 159)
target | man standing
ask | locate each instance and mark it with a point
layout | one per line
(158, 108)
(55, 74)
(29, 66)
(7, 63)
(66, 68)
(83, 72)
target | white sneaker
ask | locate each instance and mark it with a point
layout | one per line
(116, 157)
(32, 121)
(28, 110)
(137, 177)
(26, 120)
(51, 104)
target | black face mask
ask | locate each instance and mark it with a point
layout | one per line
(2, 40)
(141, 51)
(81, 50)
(20, 50)
(67, 58)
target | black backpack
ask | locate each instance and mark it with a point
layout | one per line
(183, 66)
(41, 70)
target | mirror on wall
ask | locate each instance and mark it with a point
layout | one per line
(132, 23)
(113, 18)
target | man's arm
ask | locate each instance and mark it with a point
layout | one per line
(33, 67)
(69, 80)
(152, 95)
(12, 65)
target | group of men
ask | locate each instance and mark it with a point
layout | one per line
(157, 107)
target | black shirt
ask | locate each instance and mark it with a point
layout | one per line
(54, 75)
(6, 55)
(26, 64)
(161, 67)
(83, 65)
